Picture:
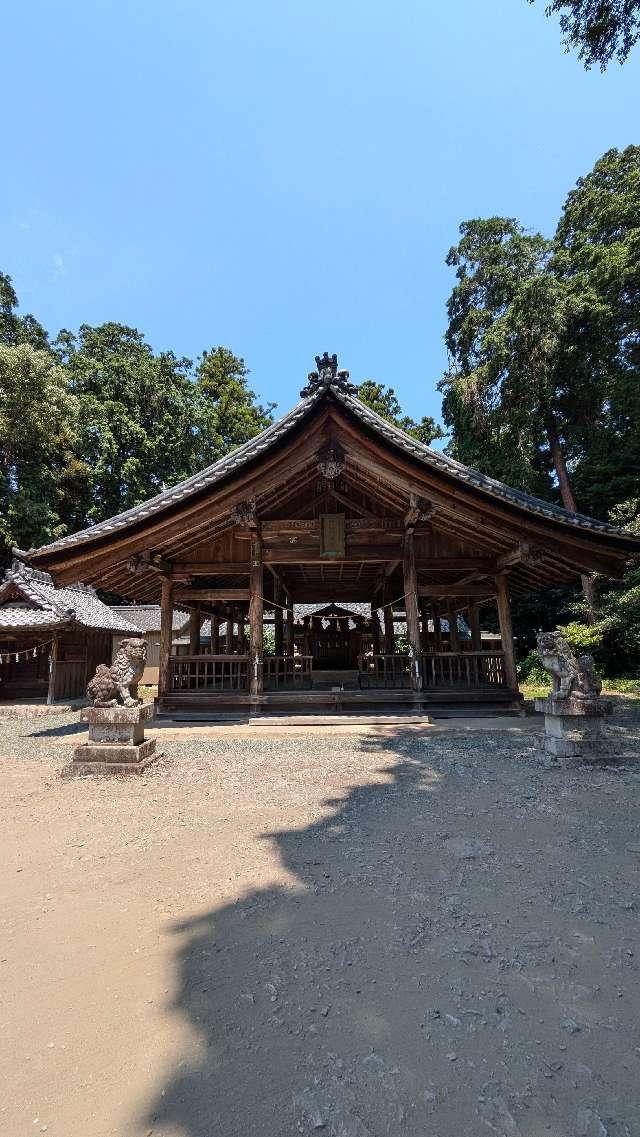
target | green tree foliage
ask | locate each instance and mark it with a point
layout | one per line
(15, 329)
(597, 263)
(503, 395)
(620, 605)
(38, 469)
(384, 402)
(543, 388)
(226, 411)
(135, 415)
(598, 29)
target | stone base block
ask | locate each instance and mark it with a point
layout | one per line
(583, 750)
(91, 759)
(116, 741)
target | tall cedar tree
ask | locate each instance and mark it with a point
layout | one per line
(384, 401)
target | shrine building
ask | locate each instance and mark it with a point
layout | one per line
(333, 507)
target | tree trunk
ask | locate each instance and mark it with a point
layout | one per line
(569, 502)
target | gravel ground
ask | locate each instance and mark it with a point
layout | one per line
(417, 932)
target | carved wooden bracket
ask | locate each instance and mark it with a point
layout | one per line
(331, 463)
(244, 513)
(420, 509)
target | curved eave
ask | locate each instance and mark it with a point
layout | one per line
(483, 488)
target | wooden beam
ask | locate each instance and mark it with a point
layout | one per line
(456, 564)
(306, 554)
(184, 570)
(186, 595)
(462, 589)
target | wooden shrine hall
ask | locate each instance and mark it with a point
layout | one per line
(332, 504)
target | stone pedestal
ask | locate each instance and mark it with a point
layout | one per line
(574, 728)
(116, 741)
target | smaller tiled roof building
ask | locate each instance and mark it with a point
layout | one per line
(52, 639)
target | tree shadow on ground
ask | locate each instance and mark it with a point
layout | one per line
(447, 965)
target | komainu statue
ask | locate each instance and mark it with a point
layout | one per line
(570, 675)
(122, 678)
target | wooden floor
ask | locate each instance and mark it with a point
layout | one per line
(307, 702)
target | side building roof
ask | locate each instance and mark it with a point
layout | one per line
(29, 599)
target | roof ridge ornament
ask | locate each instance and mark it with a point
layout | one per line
(328, 375)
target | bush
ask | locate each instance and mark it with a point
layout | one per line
(531, 671)
(583, 639)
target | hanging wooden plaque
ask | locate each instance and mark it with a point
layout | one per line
(332, 535)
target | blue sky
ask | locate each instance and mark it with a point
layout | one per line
(284, 177)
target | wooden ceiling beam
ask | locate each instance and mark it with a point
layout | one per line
(190, 595)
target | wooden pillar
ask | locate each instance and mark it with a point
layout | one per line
(228, 638)
(242, 638)
(454, 638)
(215, 635)
(474, 625)
(53, 657)
(195, 619)
(411, 607)
(375, 630)
(256, 616)
(506, 630)
(278, 614)
(387, 619)
(288, 629)
(437, 627)
(166, 634)
(424, 626)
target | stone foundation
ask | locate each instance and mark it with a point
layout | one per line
(116, 742)
(574, 728)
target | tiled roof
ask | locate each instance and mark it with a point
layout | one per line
(351, 609)
(11, 618)
(268, 438)
(146, 617)
(75, 603)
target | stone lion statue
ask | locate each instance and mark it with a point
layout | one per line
(570, 675)
(122, 678)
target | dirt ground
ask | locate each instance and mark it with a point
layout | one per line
(362, 932)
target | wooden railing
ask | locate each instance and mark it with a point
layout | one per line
(209, 673)
(473, 670)
(385, 670)
(287, 672)
(466, 669)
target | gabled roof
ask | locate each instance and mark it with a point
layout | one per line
(319, 389)
(355, 608)
(42, 604)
